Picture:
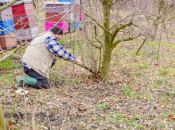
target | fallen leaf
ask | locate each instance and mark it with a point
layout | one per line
(82, 108)
(11, 126)
(140, 107)
(171, 116)
(127, 116)
(169, 99)
(90, 111)
(96, 123)
(164, 104)
(132, 89)
(93, 119)
(2, 52)
(22, 118)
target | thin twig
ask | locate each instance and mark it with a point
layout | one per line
(48, 119)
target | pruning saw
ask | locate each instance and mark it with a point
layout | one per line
(83, 66)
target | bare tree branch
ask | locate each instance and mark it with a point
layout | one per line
(126, 39)
(99, 24)
(99, 47)
(8, 5)
(141, 46)
(34, 4)
(115, 1)
(118, 28)
(11, 53)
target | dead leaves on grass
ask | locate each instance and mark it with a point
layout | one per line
(82, 108)
(11, 126)
(171, 116)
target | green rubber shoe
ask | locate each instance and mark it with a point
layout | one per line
(27, 80)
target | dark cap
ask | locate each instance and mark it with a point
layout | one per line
(57, 30)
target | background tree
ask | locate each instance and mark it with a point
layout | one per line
(132, 77)
(110, 33)
(141, 21)
(159, 18)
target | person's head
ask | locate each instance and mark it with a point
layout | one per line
(57, 31)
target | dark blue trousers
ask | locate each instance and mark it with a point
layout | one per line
(42, 82)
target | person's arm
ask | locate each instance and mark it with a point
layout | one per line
(54, 46)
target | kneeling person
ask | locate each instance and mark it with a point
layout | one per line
(39, 58)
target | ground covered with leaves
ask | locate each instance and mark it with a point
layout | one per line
(139, 95)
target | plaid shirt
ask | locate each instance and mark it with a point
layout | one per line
(54, 46)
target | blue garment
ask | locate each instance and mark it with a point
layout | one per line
(24, 64)
(54, 46)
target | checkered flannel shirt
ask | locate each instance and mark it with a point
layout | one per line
(54, 46)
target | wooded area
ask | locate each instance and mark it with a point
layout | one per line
(127, 77)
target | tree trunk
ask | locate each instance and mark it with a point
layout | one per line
(2, 122)
(105, 70)
(107, 51)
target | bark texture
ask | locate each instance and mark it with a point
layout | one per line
(2, 122)
(107, 48)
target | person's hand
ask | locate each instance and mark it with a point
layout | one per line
(78, 61)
